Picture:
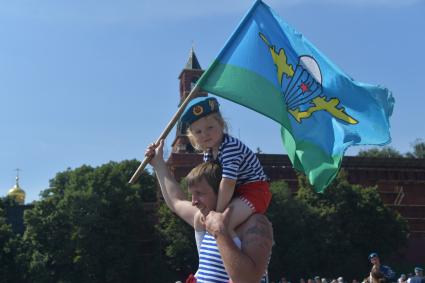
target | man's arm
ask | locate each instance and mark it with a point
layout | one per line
(170, 189)
(249, 263)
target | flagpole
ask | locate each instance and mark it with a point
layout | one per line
(166, 131)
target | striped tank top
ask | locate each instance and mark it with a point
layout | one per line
(211, 268)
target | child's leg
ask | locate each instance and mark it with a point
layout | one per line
(240, 211)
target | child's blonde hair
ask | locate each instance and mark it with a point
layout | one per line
(216, 116)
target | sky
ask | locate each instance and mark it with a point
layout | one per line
(87, 82)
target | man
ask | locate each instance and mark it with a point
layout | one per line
(246, 262)
(419, 276)
(385, 270)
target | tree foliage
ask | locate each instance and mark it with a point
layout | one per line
(291, 222)
(89, 226)
(178, 243)
(12, 268)
(384, 152)
(6, 235)
(418, 149)
(330, 233)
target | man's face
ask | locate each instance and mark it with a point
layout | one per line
(374, 260)
(203, 197)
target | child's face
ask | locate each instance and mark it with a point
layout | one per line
(207, 132)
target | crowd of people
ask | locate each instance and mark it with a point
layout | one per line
(379, 273)
(383, 273)
(316, 279)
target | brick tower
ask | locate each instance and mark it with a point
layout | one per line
(188, 78)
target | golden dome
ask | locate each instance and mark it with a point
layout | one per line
(17, 193)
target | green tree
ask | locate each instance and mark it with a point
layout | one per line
(386, 151)
(292, 223)
(11, 268)
(356, 222)
(418, 149)
(178, 245)
(89, 226)
(329, 233)
(177, 242)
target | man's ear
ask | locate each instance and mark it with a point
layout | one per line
(202, 219)
(199, 221)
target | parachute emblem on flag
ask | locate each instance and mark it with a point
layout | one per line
(303, 93)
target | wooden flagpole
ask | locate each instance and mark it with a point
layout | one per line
(166, 131)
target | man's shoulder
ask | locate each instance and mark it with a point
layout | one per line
(257, 217)
(256, 224)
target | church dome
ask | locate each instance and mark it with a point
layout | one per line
(17, 193)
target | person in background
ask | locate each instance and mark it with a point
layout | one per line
(419, 276)
(377, 268)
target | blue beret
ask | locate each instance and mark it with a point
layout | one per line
(372, 255)
(417, 268)
(197, 108)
